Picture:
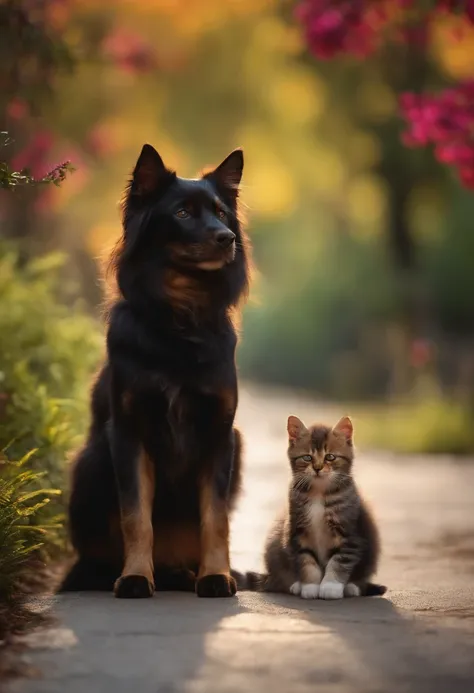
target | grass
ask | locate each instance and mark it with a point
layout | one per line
(428, 425)
(23, 538)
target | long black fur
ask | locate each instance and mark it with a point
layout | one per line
(169, 381)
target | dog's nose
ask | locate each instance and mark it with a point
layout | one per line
(225, 238)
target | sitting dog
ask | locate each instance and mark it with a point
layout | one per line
(153, 487)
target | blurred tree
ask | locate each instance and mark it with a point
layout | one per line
(365, 27)
(32, 54)
(363, 246)
(398, 35)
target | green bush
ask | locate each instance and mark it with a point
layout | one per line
(22, 533)
(432, 425)
(47, 353)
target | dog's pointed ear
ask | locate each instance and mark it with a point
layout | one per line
(229, 173)
(149, 171)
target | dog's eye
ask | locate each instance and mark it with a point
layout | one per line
(307, 458)
(330, 458)
(182, 213)
(221, 215)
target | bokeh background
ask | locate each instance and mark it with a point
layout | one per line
(364, 289)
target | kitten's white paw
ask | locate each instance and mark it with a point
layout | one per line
(331, 590)
(296, 588)
(309, 591)
(351, 590)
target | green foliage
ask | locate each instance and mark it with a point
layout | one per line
(321, 327)
(23, 525)
(434, 425)
(48, 351)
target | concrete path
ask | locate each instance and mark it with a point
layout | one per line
(419, 638)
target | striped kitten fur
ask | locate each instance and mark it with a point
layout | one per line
(326, 543)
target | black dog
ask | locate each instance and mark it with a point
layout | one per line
(160, 471)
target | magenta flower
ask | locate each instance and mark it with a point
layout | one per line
(446, 121)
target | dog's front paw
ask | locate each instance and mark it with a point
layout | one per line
(133, 587)
(216, 586)
(309, 591)
(331, 590)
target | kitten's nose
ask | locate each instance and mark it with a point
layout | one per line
(225, 237)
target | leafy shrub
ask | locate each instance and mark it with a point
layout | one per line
(21, 535)
(47, 353)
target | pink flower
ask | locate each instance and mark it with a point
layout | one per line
(358, 27)
(99, 142)
(469, 9)
(334, 27)
(17, 109)
(421, 353)
(466, 174)
(129, 51)
(35, 155)
(446, 121)
(326, 34)
(460, 153)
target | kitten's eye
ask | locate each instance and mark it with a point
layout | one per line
(330, 458)
(221, 215)
(307, 458)
(183, 213)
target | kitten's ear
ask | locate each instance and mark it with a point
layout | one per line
(295, 428)
(345, 427)
(229, 173)
(149, 171)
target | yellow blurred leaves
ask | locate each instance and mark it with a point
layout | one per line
(271, 34)
(453, 45)
(377, 99)
(191, 18)
(366, 203)
(100, 239)
(238, 84)
(364, 149)
(425, 212)
(328, 173)
(269, 188)
(297, 98)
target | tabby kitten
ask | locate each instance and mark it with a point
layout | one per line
(326, 544)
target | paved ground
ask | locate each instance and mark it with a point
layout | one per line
(419, 638)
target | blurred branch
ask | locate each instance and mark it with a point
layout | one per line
(13, 179)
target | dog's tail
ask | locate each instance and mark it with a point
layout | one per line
(88, 574)
(371, 589)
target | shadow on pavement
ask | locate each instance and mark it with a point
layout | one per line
(386, 648)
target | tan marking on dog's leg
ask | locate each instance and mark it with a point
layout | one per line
(137, 526)
(214, 533)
